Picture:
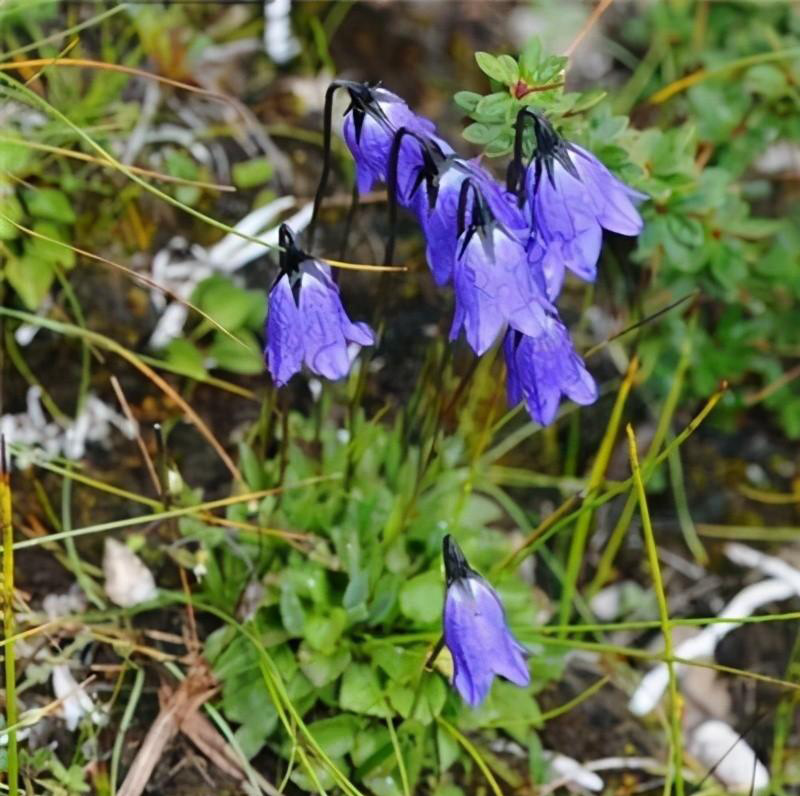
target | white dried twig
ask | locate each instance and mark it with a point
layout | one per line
(569, 771)
(31, 436)
(743, 605)
(718, 746)
(75, 702)
(226, 256)
(770, 565)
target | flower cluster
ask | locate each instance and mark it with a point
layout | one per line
(503, 248)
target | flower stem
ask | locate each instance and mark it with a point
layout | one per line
(596, 477)
(8, 620)
(663, 611)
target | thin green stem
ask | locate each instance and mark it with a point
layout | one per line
(617, 536)
(125, 723)
(596, 476)
(663, 611)
(470, 749)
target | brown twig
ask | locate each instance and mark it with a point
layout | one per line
(598, 12)
(126, 410)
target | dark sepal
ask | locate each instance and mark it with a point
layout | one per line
(480, 214)
(432, 156)
(550, 147)
(290, 258)
(455, 564)
(360, 96)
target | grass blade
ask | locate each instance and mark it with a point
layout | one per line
(663, 611)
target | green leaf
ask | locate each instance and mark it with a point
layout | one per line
(588, 99)
(49, 203)
(421, 598)
(357, 590)
(322, 669)
(530, 58)
(361, 691)
(227, 304)
(322, 632)
(551, 68)
(479, 133)
(184, 356)
(402, 665)
(688, 231)
(467, 100)
(252, 173)
(228, 354)
(494, 107)
(47, 250)
(503, 69)
(510, 67)
(14, 158)
(432, 696)
(336, 735)
(388, 785)
(293, 615)
(322, 781)
(11, 207)
(384, 599)
(510, 707)
(31, 278)
(501, 145)
(245, 699)
(767, 80)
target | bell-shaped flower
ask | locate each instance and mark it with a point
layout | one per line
(475, 631)
(495, 287)
(306, 322)
(438, 210)
(370, 124)
(543, 367)
(572, 197)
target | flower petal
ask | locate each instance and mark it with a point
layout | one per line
(321, 311)
(479, 640)
(284, 347)
(548, 366)
(612, 199)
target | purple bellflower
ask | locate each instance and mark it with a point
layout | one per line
(437, 207)
(543, 367)
(494, 283)
(306, 322)
(571, 197)
(475, 631)
(370, 124)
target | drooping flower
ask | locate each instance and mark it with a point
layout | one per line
(475, 631)
(306, 322)
(571, 197)
(542, 367)
(494, 284)
(437, 207)
(374, 117)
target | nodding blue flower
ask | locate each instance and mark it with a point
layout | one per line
(495, 286)
(571, 197)
(370, 124)
(306, 322)
(475, 631)
(542, 367)
(437, 206)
